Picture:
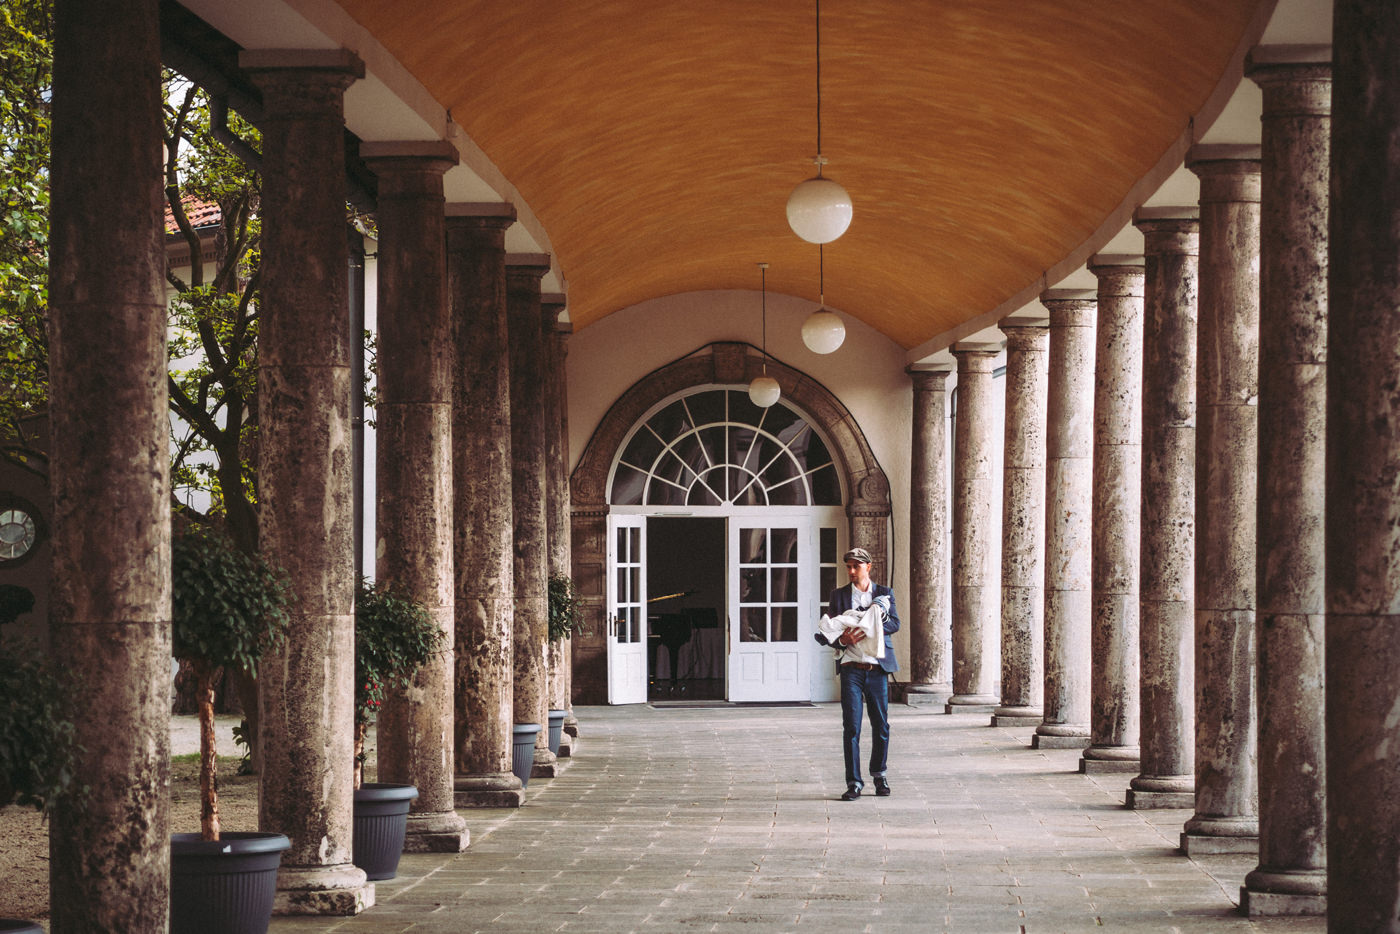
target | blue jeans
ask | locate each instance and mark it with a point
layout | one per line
(859, 688)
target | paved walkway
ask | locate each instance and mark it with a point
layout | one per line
(703, 819)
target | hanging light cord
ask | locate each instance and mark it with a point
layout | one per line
(763, 280)
(820, 160)
(821, 274)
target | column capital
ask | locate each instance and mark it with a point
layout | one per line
(1169, 229)
(473, 225)
(527, 265)
(1288, 58)
(1119, 274)
(1228, 172)
(342, 61)
(1071, 308)
(409, 155)
(1296, 79)
(1022, 321)
(928, 379)
(974, 348)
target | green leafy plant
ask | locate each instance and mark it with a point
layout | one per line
(394, 637)
(565, 608)
(229, 608)
(37, 742)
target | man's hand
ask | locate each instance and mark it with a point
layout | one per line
(850, 637)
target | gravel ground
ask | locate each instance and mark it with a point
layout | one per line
(24, 855)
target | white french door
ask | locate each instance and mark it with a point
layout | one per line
(627, 604)
(770, 608)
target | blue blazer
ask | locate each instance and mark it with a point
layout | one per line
(840, 602)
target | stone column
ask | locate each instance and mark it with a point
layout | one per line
(973, 595)
(1113, 692)
(527, 442)
(1291, 877)
(306, 523)
(1227, 457)
(554, 335)
(1167, 586)
(1069, 489)
(927, 617)
(110, 620)
(1363, 460)
(414, 472)
(484, 595)
(1023, 524)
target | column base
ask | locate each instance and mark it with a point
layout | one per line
(566, 746)
(322, 890)
(436, 832)
(971, 703)
(1018, 716)
(1284, 892)
(1060, 736)
(571, 724)
(1208, 836)
(1146, 799)
(1103, 760)
(499, 790)
(931, 694)
(546, 764)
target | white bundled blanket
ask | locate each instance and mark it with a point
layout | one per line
(870, 622)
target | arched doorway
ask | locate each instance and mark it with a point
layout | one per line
(734, 515)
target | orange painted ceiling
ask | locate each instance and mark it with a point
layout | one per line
(980, 140)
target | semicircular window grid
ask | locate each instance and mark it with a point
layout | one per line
(716, 448)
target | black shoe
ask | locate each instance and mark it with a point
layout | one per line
(850, 794)
(882, 788)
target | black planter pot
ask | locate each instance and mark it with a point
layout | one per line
(522, 760)
(381, 819)
(556, 729)
(16, 926)
(224, 886)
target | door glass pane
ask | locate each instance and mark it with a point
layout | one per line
(784, 624)
(753, 585)
(753, 546)
(634, 583)
(784, 546)
(623, 555)
(634, 629)
(753, 624)
(828, 584)
(785, 585)
(828, 546)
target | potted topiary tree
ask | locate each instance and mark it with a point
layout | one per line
(565, 618)
(394, 637)
(37, 744)
(228, 609)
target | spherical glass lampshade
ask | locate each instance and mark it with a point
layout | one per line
(764, 391)
(819, 210)
(823, 331)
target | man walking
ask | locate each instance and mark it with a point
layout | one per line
(864, 677)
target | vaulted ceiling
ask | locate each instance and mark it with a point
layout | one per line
(980, 140)
(654, 145)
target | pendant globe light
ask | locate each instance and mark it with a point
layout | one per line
(819, 210)
(823, 331)
(764, 390)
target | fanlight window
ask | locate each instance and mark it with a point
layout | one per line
(716, 448)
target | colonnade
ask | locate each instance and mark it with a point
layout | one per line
(1183, 638)
(470, 463)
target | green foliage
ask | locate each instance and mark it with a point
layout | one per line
(229, 607)
(565, 608)
(37, 743)
(394, 637)
(26, 80)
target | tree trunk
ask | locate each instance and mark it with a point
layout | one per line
(361, 728)
(208, 760)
